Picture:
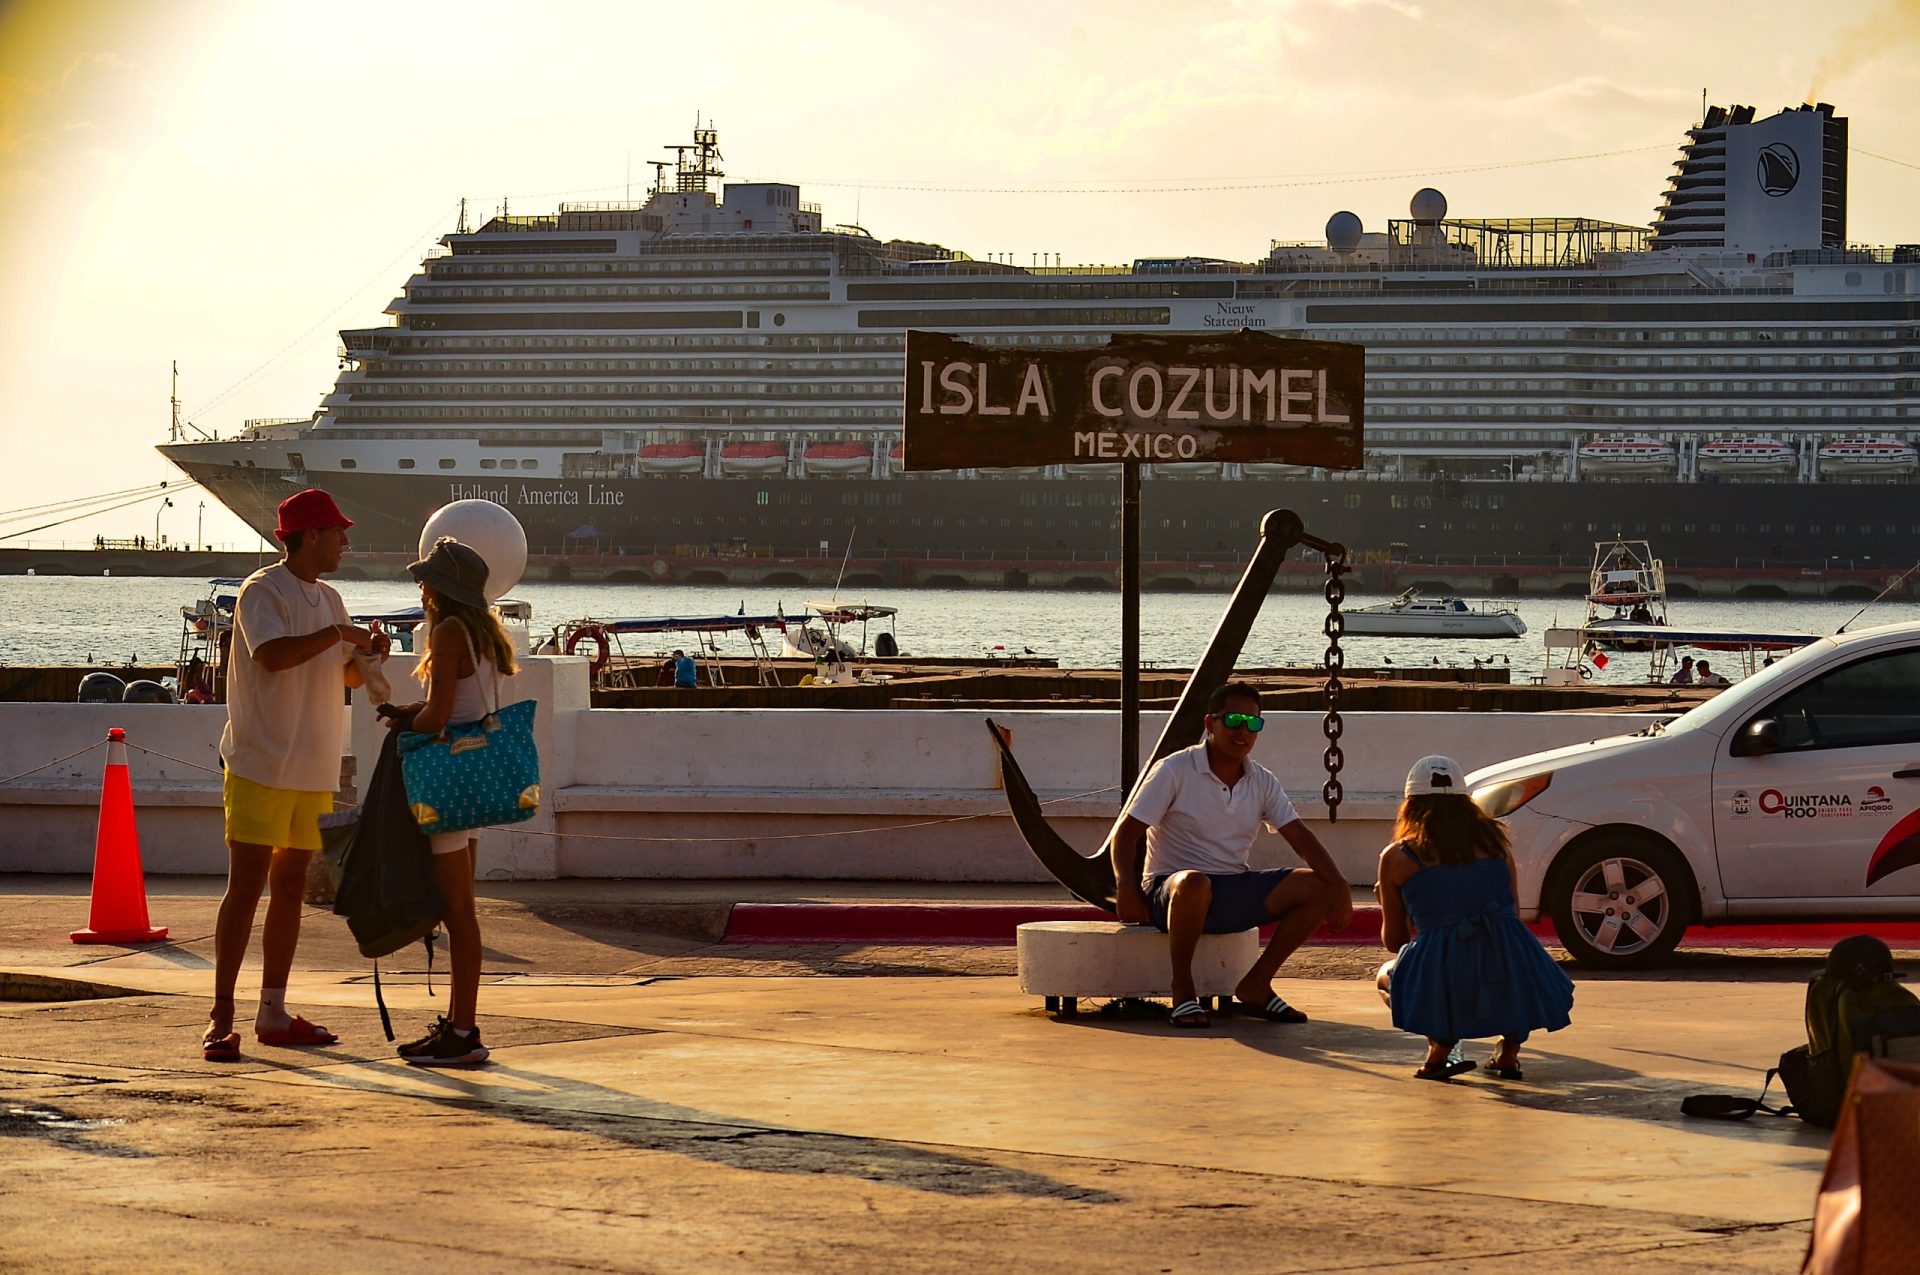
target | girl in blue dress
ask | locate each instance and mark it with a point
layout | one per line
(1467, 968)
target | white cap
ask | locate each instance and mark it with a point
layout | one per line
(1436, 775)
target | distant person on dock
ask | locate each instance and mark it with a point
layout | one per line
(686, 674)
(1703, 675)
(1465, 966)
(1198, 812)
(292, 662)
(1682, 676)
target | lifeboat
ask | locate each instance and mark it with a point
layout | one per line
(839, 458)
(1627, 456)
(753, 458)
(1268, 469)
(897, 455)
(1745, 456)
(672, 458)
(1189, 469)
(1867, 455)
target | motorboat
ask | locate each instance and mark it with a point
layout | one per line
(838, 458)
(688, 457)
(1867, 456)
(1411, 615)
(828, 634)
(1628, 456)
(1626, 589)
(753, 458)
(1745, 456)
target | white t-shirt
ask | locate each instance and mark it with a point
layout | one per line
(1194, 821)
(285, 729)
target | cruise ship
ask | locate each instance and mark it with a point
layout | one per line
(714, 369)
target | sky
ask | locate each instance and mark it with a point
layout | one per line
(227, 185)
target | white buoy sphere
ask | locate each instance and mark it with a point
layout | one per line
(490, 531)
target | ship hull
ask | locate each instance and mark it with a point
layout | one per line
(930, 516)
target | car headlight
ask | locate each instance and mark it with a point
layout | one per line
(1501, 800)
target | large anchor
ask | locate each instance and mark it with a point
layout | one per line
(1090, 877)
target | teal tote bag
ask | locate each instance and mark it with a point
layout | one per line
(474, 775)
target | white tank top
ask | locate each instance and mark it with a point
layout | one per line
(472, 699)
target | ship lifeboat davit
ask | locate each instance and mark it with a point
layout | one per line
(672, 458)
(1627, 456)
(1868, 455)
(838, 458)
(753, 458)
(1745, 456)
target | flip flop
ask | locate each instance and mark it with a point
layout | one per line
(1190, 1014)
(1447, 1070)
(221, 1048)
(1505, 1073)
(298, 1033)
(1274, 1011)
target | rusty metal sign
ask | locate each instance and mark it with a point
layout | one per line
(1157, 399)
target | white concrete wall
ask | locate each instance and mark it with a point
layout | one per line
(747, 793)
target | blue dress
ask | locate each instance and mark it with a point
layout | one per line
(1473, 970)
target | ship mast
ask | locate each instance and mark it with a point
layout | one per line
(173, 432)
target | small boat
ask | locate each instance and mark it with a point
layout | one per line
(832, 645)
(753, 458)
(1626, 589)
(672, 458)
(1628, 456)
(838, 458)
(1411, 615)
(1867, 455)
(1745, 456)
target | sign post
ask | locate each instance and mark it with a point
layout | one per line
(1143, 398)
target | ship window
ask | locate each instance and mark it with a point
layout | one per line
(529, 464)
(488, 463)
(349, 463)
(406, 463)
(509, 464)
(445, 463)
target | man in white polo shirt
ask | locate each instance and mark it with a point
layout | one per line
(1199, 812)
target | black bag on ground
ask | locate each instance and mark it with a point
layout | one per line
(382, 868)
(1853, 1006)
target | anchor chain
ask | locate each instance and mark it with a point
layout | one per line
(1331, 725)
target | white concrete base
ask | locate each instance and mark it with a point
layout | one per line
(1072, 959)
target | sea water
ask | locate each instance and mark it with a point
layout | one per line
(113, 621)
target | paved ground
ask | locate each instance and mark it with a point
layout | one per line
(658, 1101)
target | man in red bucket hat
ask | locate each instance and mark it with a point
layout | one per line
(290, 665)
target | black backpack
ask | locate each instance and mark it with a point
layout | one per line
(1853, 1006)
(382, 869)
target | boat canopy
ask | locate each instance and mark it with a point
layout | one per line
(1671, 635)
(850, 612)
(691, 624)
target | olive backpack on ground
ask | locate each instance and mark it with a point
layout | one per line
(1853, 1006)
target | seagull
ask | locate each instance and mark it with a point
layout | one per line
(1387, 659)
(1436, 661)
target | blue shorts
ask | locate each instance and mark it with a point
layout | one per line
(1239, 899)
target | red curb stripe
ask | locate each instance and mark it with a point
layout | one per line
(996, 924)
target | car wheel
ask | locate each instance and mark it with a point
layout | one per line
(1620, 902)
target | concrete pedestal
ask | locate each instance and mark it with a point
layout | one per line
(1066, 960)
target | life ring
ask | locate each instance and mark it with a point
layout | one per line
(602, 653)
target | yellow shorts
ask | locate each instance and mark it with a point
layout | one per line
(280, 817)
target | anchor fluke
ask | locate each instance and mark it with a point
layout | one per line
(1089, 879)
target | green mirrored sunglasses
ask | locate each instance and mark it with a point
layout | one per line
(1243, 721)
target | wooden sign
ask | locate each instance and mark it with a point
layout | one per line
(1159, 399)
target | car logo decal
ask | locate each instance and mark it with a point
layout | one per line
(1876, 802)
(1742, 804)
(1900, 848)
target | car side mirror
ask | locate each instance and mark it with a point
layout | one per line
(1762, 736)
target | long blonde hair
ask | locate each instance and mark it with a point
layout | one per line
(1449, 828)
(484, 630)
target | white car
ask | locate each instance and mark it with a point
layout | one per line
(1795, 794)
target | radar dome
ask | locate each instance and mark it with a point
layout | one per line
(1428, 206)
(1343, 232)
(490, 531)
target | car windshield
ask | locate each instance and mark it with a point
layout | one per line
(1750, 690)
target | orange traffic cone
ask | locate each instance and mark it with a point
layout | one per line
(119, 911)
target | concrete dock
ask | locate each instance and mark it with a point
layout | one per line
(657, 1101)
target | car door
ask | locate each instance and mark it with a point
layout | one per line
(1835, 812)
